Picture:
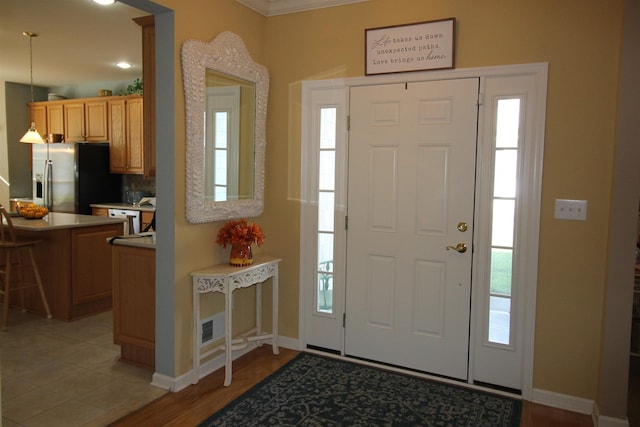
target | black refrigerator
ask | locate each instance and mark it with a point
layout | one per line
(68, 177)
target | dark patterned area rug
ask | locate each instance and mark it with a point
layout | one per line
(319, 391)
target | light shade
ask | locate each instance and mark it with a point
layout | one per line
(32, 136)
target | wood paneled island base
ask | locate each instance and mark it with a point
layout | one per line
(74, 260)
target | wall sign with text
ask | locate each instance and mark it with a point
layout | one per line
(412, 47)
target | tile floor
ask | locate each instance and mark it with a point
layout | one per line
(67, 373)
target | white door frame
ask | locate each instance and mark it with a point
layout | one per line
(531, 188)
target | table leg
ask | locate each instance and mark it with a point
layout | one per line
(274, 340)
(228, 337)
(259, 310)
(196, 337)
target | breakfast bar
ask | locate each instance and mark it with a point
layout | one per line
(74, 261)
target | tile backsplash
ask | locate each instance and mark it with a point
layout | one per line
(137, 183)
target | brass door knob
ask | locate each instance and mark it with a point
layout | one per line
(460, 247)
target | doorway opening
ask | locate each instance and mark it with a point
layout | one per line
(501, 321)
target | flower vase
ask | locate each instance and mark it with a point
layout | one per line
(240, 255)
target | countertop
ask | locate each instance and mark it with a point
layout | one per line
(143, 208)
(59, 220)
(141, 240)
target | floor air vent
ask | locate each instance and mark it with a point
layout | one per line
(212, 329)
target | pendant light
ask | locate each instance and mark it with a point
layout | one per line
(32, 136)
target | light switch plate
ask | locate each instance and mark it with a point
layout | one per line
(575, 210)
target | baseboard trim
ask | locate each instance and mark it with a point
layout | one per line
(603, 421)
(183, 381)
(563, 401)
(162, 381)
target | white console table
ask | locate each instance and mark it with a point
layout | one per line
(225, 278)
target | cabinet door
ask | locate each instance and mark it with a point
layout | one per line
(74, 129)
(99, 211)
(148, 76)
(38, 115)
(134, 282)
(126, 149)
(146, 218)
(91, 263)
(117, 140)
(96, 120)
(135, 135)
(55, 118)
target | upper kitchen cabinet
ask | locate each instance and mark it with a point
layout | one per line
(147, 23)
(79, 120)
(120, 120)
(96, 128)
(38, 115)
(73, 121)
(55, 118)
(126, 145)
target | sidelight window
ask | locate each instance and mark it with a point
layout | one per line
(505, 184)
(326, 208)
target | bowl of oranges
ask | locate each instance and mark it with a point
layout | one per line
(32, 211)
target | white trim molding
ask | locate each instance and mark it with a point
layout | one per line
(282, 7)
(563, 401)
(215, 363)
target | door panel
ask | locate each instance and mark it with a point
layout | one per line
(411, 181)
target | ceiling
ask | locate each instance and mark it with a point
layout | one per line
(78, 41)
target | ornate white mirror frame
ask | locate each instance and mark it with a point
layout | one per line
(226, 54)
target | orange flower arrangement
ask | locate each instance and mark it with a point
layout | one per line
(240, 233)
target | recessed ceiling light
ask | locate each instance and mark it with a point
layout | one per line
(105, 2)
(123, 65)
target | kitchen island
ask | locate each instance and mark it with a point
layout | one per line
(74, 260)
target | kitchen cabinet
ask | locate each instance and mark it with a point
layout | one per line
(88, 285)
(121, 120)
(79, 120)
(126, 149)
(146, 219)
(73, 117)
(55, 118)
(149, 78)
(100, 211)
(134, 282)
(96, 120)
(38, 115)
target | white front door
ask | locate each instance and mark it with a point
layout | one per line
(412, 156)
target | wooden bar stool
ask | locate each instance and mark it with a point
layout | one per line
(13, 250)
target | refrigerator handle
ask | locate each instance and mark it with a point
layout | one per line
(47, 197)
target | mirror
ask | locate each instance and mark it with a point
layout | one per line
(226, 107)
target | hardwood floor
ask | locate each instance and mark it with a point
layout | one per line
(536, 415)
(194, 404)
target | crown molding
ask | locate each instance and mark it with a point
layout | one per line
(281, 7)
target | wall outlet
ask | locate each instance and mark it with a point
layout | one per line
(575, 210)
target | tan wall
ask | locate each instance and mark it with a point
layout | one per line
(581, 42)
(195, 243)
